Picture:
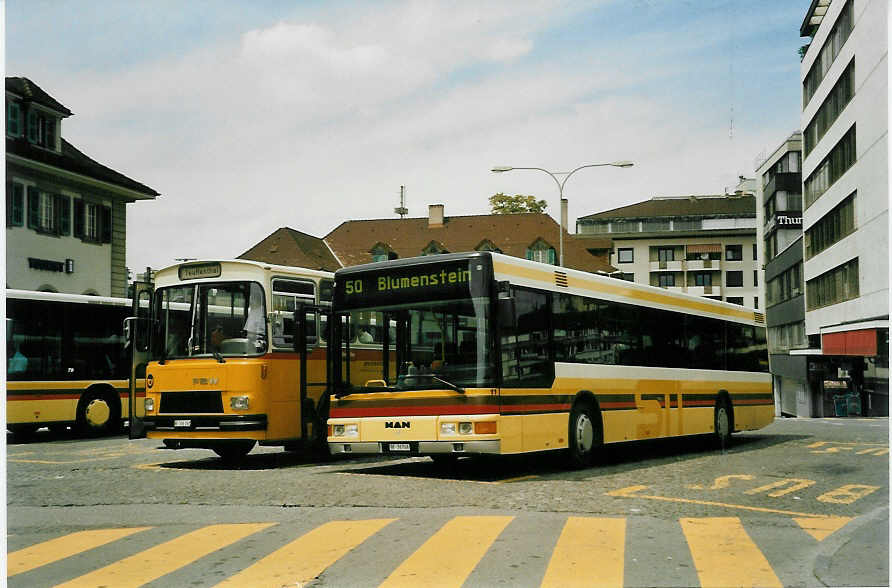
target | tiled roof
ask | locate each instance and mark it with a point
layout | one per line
(353, 240)
(29, 91)
(286, 246)
(692, 206)
(72, 160)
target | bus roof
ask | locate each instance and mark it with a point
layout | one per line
(62, 297)
(232, 269)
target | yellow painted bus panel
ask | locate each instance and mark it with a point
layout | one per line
(511, 434)
(400, 428)
(42, 411)
(545, 431)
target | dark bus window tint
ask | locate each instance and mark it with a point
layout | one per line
(663, 341)
(34, 345)
(747, 349)
(97, 343)
(525, 345)
(326, 290)
(576, 333)
(620, 334)
(706, 342)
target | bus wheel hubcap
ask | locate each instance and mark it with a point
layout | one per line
(585, 433)
(97, 413)
(722, 422)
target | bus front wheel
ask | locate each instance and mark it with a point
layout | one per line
(586, 437)
(233, 451)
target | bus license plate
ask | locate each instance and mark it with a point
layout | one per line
(182, 423)
(400, 447)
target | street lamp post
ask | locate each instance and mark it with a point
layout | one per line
(560, 185)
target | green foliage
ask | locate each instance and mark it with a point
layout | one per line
(504, 204)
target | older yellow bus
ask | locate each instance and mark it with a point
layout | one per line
(234, 355)
(499, 355)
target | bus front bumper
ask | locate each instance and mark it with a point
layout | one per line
(416, 448)
(205, 423)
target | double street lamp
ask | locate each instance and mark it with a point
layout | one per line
(560, 184)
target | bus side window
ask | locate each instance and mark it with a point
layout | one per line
(287, 294)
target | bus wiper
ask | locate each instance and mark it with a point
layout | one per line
(219, 356)
(449, 385)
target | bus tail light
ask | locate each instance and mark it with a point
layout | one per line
(485, 428)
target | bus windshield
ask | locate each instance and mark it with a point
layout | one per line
(209, 319)
(426, 345)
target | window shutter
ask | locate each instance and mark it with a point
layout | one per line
(63, 205)
(551, 257)
(105, 224)
(79, 218)
(32, 126)
(10, 196)
(33, 208)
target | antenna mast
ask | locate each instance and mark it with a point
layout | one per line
(402, 210)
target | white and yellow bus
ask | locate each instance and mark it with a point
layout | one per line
(65, 362)
(234, 356)
(489, 354)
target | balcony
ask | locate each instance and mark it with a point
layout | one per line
(704, 290)
(667, 266)
(703, 264)
(787, 181)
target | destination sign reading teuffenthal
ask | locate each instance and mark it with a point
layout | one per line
(422, 282)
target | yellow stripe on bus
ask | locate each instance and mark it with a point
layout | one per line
(168, 557)
(447, 558)
(29, 558)
(303, 559)
(589, 552)
(725, 555)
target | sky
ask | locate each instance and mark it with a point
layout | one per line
(251, 116)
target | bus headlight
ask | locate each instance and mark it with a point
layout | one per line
(447, 428)
(239, 403)
(345, 430)
(465, 428)
(150, 404)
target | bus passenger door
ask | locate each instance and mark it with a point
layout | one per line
(313, 405)
(138, 325)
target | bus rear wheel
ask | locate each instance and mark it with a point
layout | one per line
(585, 436)
(723, 422)
(98, 413)
(233, 451)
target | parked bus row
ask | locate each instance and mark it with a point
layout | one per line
(442, 356)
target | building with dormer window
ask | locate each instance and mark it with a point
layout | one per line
(526, 235)
(65, 213)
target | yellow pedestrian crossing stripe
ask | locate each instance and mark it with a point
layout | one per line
(450, 555)
(305, 558)
(724, 554)
(589, 551)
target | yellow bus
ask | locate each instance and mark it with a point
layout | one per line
(500, 355)
(234, 356)
(66, 364)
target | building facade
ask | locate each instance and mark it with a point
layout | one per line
(699, 245)
(844, 78)
(65, 213)
(779, 218)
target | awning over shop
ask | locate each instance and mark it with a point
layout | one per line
(861, 342)
(705, 248)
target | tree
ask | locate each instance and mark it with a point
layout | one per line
(504, 204)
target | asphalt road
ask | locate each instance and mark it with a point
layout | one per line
(799, 503)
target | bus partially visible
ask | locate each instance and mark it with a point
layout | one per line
(489, 354)
(235, 356)
(66, 362)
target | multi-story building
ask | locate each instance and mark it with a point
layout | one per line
(700, 245)
(845, 100)
(779, 218)
(65, 213)
(526, 235)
